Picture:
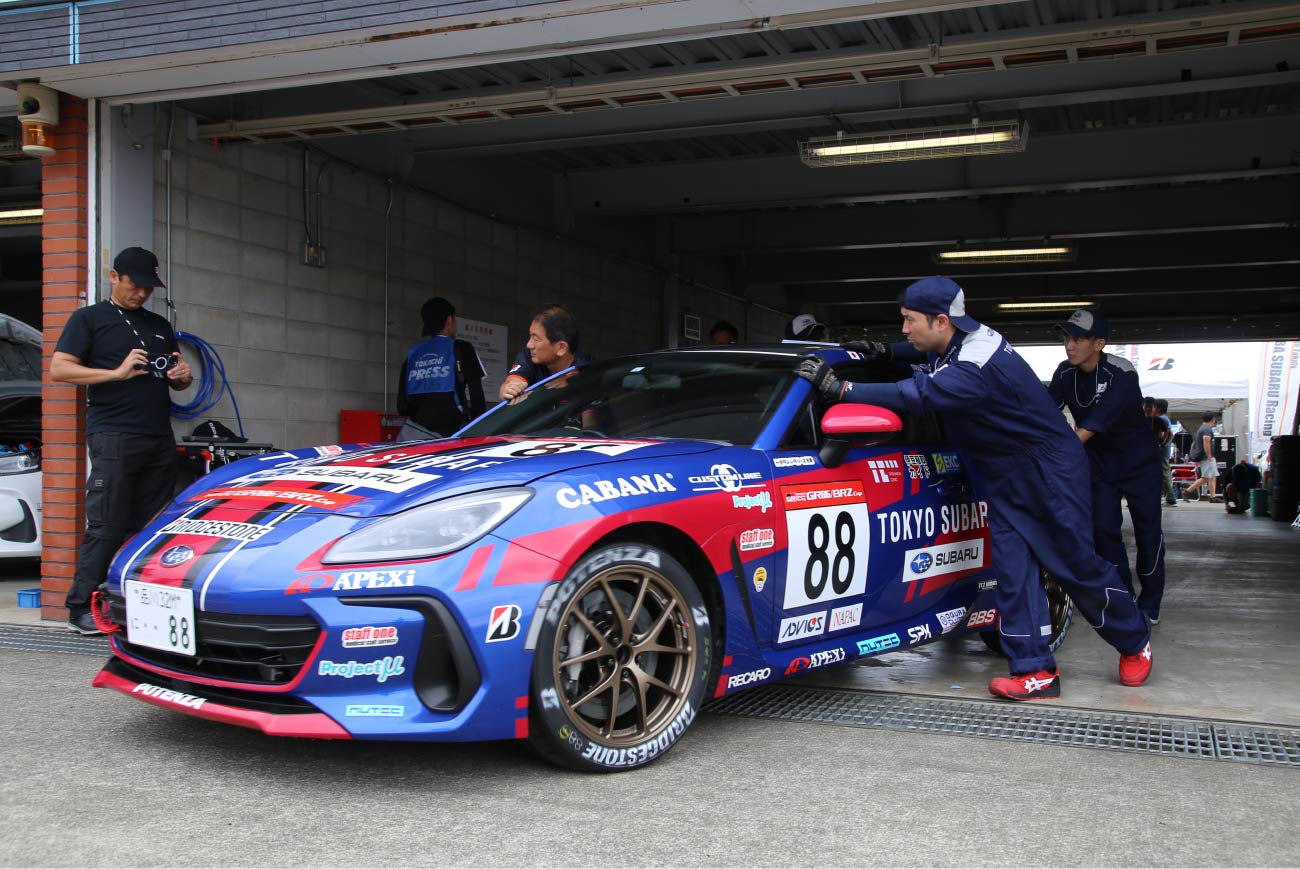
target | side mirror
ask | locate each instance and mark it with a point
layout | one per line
(847, 425)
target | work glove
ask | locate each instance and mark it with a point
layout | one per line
(815, 370)
(870, 350)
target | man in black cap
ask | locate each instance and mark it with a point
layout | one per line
(1026, 457)
(1105, 399)
(127, 359)
(441, 384)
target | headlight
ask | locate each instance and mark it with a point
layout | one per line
(434, 529)
(20, 463)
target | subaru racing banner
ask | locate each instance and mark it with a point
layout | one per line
(1279, 380)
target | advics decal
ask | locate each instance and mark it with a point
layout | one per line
(802, 626)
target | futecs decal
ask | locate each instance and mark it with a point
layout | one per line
(760, 579)
(383, 669)
(725, 478)
(946, 464)
(620, 487)
(794, 462)
(826, 554)
(878, 644)
(943, 559)
(950, 619)
(354, 638)
(209, 528)
(346, 475)
(176, 556)
(308, 497)
(757, 538)
(802, 626)
(845, 617)
(372, 711)
(504, 623)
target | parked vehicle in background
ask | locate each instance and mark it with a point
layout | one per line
(20, 439)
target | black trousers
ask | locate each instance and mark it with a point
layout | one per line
(132, 477)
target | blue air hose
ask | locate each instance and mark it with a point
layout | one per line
(210, 374)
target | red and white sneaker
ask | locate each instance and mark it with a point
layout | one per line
(1043, 685)
(1134, 669)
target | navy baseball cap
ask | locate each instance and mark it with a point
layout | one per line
(140, 265)
(1088, 321)
(940, 295)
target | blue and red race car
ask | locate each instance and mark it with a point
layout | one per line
(584, 567)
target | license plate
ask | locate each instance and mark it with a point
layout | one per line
(160, 617)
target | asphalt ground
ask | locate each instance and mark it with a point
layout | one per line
(93, 778)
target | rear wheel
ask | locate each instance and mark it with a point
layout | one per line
(622, 661)
(1059, 606)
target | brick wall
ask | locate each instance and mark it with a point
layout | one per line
(64, 187)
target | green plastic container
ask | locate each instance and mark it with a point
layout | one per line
(1259, 502)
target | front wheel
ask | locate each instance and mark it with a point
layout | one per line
(622, 661)
(1059, 606)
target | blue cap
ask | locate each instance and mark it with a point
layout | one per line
(940, 295)
(1087, 321)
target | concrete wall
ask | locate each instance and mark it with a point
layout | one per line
(301, 343)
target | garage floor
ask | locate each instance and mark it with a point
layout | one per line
(1227, 647)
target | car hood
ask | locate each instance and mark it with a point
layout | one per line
(387, 479)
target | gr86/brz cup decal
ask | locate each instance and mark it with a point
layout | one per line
(829, 540)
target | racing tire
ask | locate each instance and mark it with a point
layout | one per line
(622, 661)
(1062, 611)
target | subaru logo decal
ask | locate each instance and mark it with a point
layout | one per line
(922, 563)
(176, 556)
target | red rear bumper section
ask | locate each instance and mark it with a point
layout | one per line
(312, 725)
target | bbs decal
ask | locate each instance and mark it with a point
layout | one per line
(829, 541)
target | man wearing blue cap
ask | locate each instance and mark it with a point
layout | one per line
(1027, 459)
(1105, 400)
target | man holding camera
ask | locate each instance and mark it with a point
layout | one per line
(127, 359)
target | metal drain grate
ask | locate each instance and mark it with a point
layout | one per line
(1178, 737)
(42, 639)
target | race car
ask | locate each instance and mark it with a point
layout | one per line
(584, 567)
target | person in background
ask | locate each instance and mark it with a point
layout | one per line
(552, 347)
(724, 333)
(1167, 453)
(992, 403)
(1241, 479)
(1202, 453)
(804, 328)
(1105, 400)
(441, 384)
(127, 358)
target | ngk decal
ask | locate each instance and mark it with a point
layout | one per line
(741, 679)
(943, 559)
(757, 538)
(828, 542)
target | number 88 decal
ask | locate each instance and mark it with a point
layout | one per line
(826, 555)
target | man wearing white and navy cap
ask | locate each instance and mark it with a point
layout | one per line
(1105, 399)
(1027, 460)
(804, 328)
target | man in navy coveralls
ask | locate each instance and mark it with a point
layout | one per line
(1028, 460)
(1105, 399)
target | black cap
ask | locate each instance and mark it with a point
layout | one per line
(434, 313)
(140, 265)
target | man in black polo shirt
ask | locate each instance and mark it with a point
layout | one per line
(552, 347)
(128, 359)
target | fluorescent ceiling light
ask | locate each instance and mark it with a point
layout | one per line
(963, 140)
(1014, 253)
(17, 216)
(1044, 306)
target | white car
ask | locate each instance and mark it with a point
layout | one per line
(20, 439)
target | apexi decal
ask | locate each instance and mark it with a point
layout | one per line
(917, 467)
(757, 538)
(845, 617)
(176, 556)
(642, 753)
(918, 634)
(355, 638)
(924, 522)
(384, 669)
(309, 497)
(794, 462)
(372, 711)
(815, 660)
(620, 487)
(802, 626)
(369, 478)
(725, 478)
(352, 580)
(950, 619)
(878, 644)
(504, 623)
(748, 502)
(942, 559)
(946, 464)
(741, 679)
(885, 470)
(209, 528)
(179, 698)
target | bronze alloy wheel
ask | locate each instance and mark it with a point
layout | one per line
(623, 659)
(625, 655)
(1059, 606)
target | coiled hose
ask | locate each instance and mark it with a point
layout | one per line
(210, 374)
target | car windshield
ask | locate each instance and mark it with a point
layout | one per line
(721, 396)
